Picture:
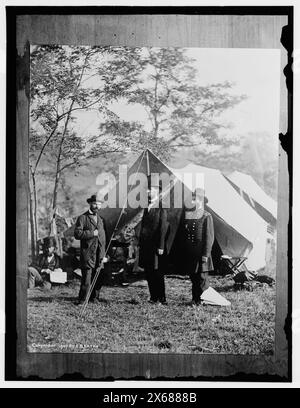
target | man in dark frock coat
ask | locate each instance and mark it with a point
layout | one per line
(153, 244)
(90, 230)
(198, 242)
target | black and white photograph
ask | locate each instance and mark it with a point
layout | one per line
(153, 161)
(153, 189)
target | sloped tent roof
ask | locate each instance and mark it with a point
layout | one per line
(247, 187)
(238, 228)
(145, 163)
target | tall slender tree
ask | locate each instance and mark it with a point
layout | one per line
(162, 81)
(64, 81)
(180, 112)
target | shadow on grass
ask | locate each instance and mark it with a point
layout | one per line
(226, 288)
(53, 298)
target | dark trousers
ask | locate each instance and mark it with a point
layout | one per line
(198, 277)
(156, 284)
(86, 281)
(156, 278)
(199, 284)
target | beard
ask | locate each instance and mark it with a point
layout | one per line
(195, 212)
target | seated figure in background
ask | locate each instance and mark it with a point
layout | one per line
(133, 256)
(124, 256)
(39, 273)
(118, 259)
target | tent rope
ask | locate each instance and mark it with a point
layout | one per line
(111, 238)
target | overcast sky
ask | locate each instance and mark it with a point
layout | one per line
(255, 73)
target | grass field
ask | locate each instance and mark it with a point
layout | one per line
(124, 321)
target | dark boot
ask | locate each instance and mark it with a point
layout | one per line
(150, 276)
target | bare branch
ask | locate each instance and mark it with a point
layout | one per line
(187, 144)
(78, 108)
(44, 146)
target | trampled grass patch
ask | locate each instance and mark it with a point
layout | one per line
(124, 321)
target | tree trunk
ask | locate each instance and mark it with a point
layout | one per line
(155, 108)
(58, 161)
(32, 226)
(35, 207)
(58, 165)
(155, 126)
(55, 190)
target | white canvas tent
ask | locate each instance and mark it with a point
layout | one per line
(239, 231)
(233, 213)
(247, 187)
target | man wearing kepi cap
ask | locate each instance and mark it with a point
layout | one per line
(90, 230)
(198, 238)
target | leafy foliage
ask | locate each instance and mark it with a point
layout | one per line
(180, 112)
(181, 117)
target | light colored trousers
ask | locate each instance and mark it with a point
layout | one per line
(35, 279)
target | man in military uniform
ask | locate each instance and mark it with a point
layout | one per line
(152, 241)
(90, 230)
(198, 240)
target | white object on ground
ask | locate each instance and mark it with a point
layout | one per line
(211, 297)
(78, 272)
(58, 276)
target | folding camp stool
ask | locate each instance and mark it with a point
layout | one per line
(234, 263)
(117, 267)
(243, 279)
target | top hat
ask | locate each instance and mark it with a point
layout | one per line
(198, 192)
(93, 199)
(49, 242)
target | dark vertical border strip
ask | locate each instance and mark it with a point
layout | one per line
(286, 140)
(10, 227)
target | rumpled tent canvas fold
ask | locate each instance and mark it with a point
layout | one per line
(255, 196)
